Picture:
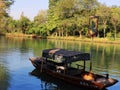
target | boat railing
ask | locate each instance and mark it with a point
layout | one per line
(78, 66)
(106, 75)
(82, 67)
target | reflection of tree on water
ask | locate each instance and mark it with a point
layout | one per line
(106, 58)
(4, 74)
(51, 83)
(4, 78)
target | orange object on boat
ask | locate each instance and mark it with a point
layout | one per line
(88, 76)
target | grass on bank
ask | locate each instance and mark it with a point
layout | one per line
(72, 38)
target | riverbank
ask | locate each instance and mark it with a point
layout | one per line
(20, 35)
(95, 40)
(71, 38)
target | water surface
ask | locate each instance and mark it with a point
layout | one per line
(17, 73)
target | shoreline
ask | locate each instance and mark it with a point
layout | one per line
(71, 38)
(95, 40)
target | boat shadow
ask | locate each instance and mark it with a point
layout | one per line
(51, 83)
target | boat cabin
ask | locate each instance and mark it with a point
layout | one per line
(62, 59)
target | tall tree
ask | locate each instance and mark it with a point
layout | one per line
(89, 6)
(66, 8)
(41, 17)
(39, 24)
(4, 8)
(52, 18)
(24, 23)
(65, 13)
(115, 19)
(104, 13)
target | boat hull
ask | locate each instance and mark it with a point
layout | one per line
(69, 78)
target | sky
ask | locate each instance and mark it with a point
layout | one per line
(32, 7)
(110, 2)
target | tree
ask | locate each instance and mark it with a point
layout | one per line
(104, 13)
(63, 15)
(38, 26)
(41, 17)
(52, 17)
(84, 9)
(24, 23)
(81, 23)
(4, 7)
(115, 19)
(65, 9)
(89, 6)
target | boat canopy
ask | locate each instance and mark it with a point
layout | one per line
(65, 56)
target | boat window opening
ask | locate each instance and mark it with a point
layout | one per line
(60, 69)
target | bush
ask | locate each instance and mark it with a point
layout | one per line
(118, 35)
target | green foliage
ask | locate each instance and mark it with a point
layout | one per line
(115, 20)
(65, 9)
(118, 35)
(24, 23)
(38, 26)
(4, 7)
(69, 16)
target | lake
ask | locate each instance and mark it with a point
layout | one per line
(17, 72)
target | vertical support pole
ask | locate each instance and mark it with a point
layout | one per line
(41, 65)
(91, 54)
(84, 65)
(65, 68)
(91, 61)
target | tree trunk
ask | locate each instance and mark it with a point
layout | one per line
(104, 32)
(66, 34)
(62, 33)
(115, 33)
(80, 32)
(104, 24)
(56, 34)
(59, 33)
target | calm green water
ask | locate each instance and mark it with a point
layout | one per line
(17, 73)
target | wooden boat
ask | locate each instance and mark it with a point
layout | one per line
(57, 63)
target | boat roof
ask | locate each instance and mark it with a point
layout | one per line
(65, 56)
